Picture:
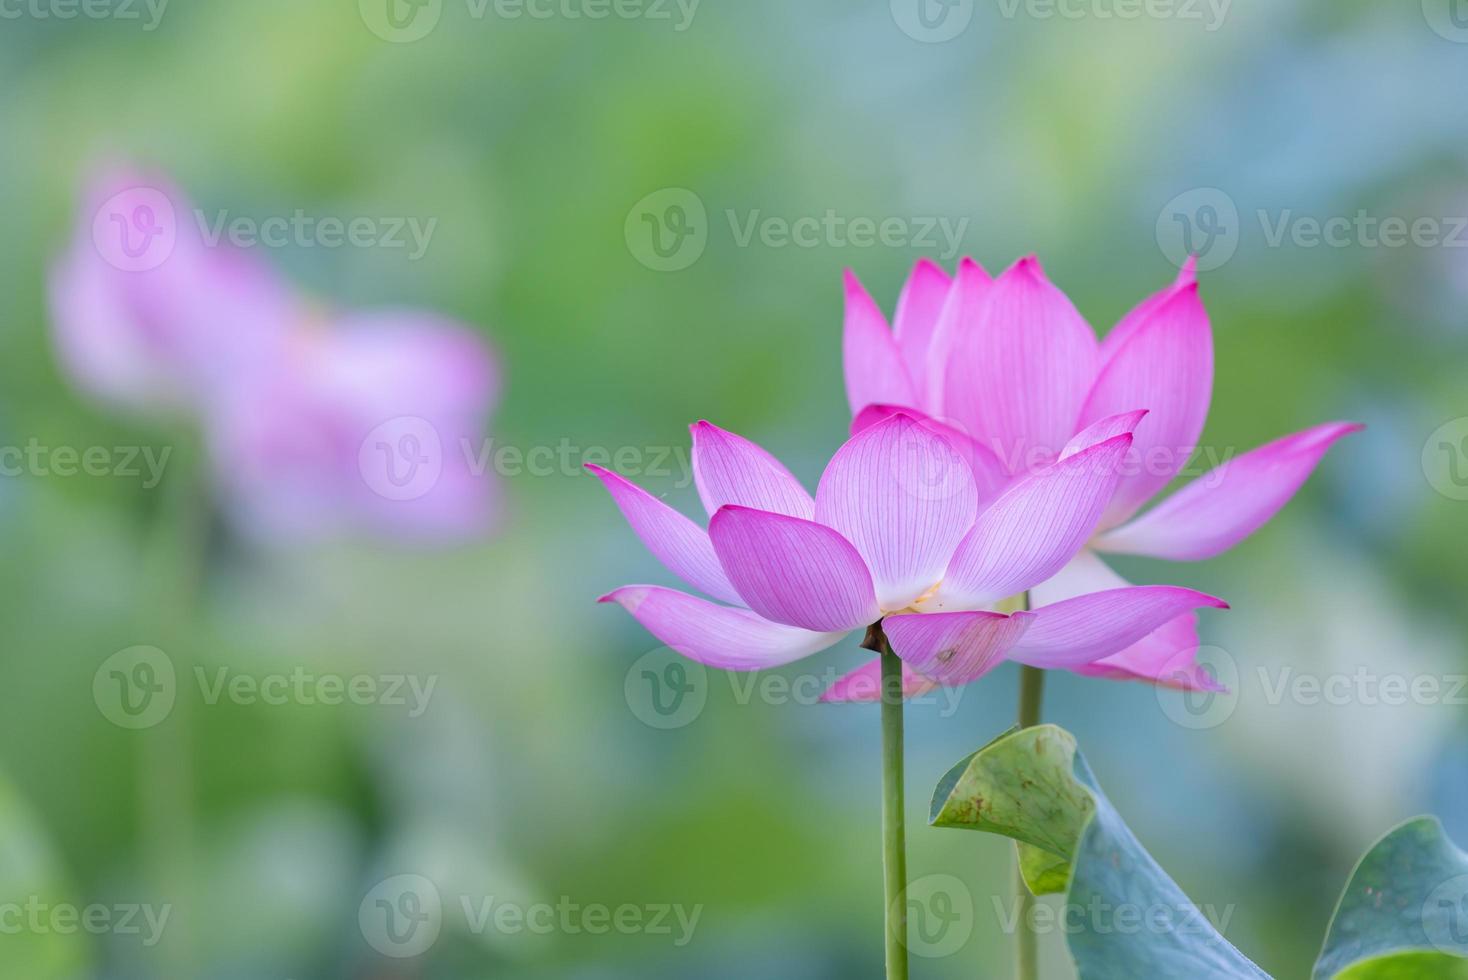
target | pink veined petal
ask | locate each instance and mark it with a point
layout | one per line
(794, 571)
(955, 648)
(864, 685)
(990, 475)
(1017, 380)
(1166, 656)
(874, 368)
(1101, 430)
(903, 494)
(918, 309)
(729, 469)
(1078, 631)
(676, 541)
(1165, 366)
(1222, 507)
(1121, 333)
(1033, 529)
(718, 636)
(958, 318)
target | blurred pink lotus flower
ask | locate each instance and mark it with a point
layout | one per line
(147, 318)
(368, 424)
(363, 421)
(1014, 370)
(895, 532)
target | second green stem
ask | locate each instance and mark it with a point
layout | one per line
(1026, 945)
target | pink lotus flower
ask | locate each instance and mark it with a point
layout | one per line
(1011, 365)
(145, 315)
(370, 423)
(314, 424)
(897, 531)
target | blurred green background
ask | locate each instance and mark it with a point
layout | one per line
(539, 774)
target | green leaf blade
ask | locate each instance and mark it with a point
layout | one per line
(1404, 912)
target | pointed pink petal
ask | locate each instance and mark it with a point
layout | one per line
(1101, 430)
(1166, 656)
(1166, 366)
(1222, 507)
(718, 636)
(794, 571)
(1018, 379)
(918, 309)
(1127, 325)
(1077, 631)
(864, 685)
(676, 541)
(960, 316)
(954, 648)
(874, 369)
(1033, 529)
(903, 495)
(729, 469)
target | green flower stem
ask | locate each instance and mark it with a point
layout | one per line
(894, 832)
(1026, 943)
(166, 803)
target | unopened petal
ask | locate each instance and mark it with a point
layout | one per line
(1017, 381)
(1165, 365)
(873, 365)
